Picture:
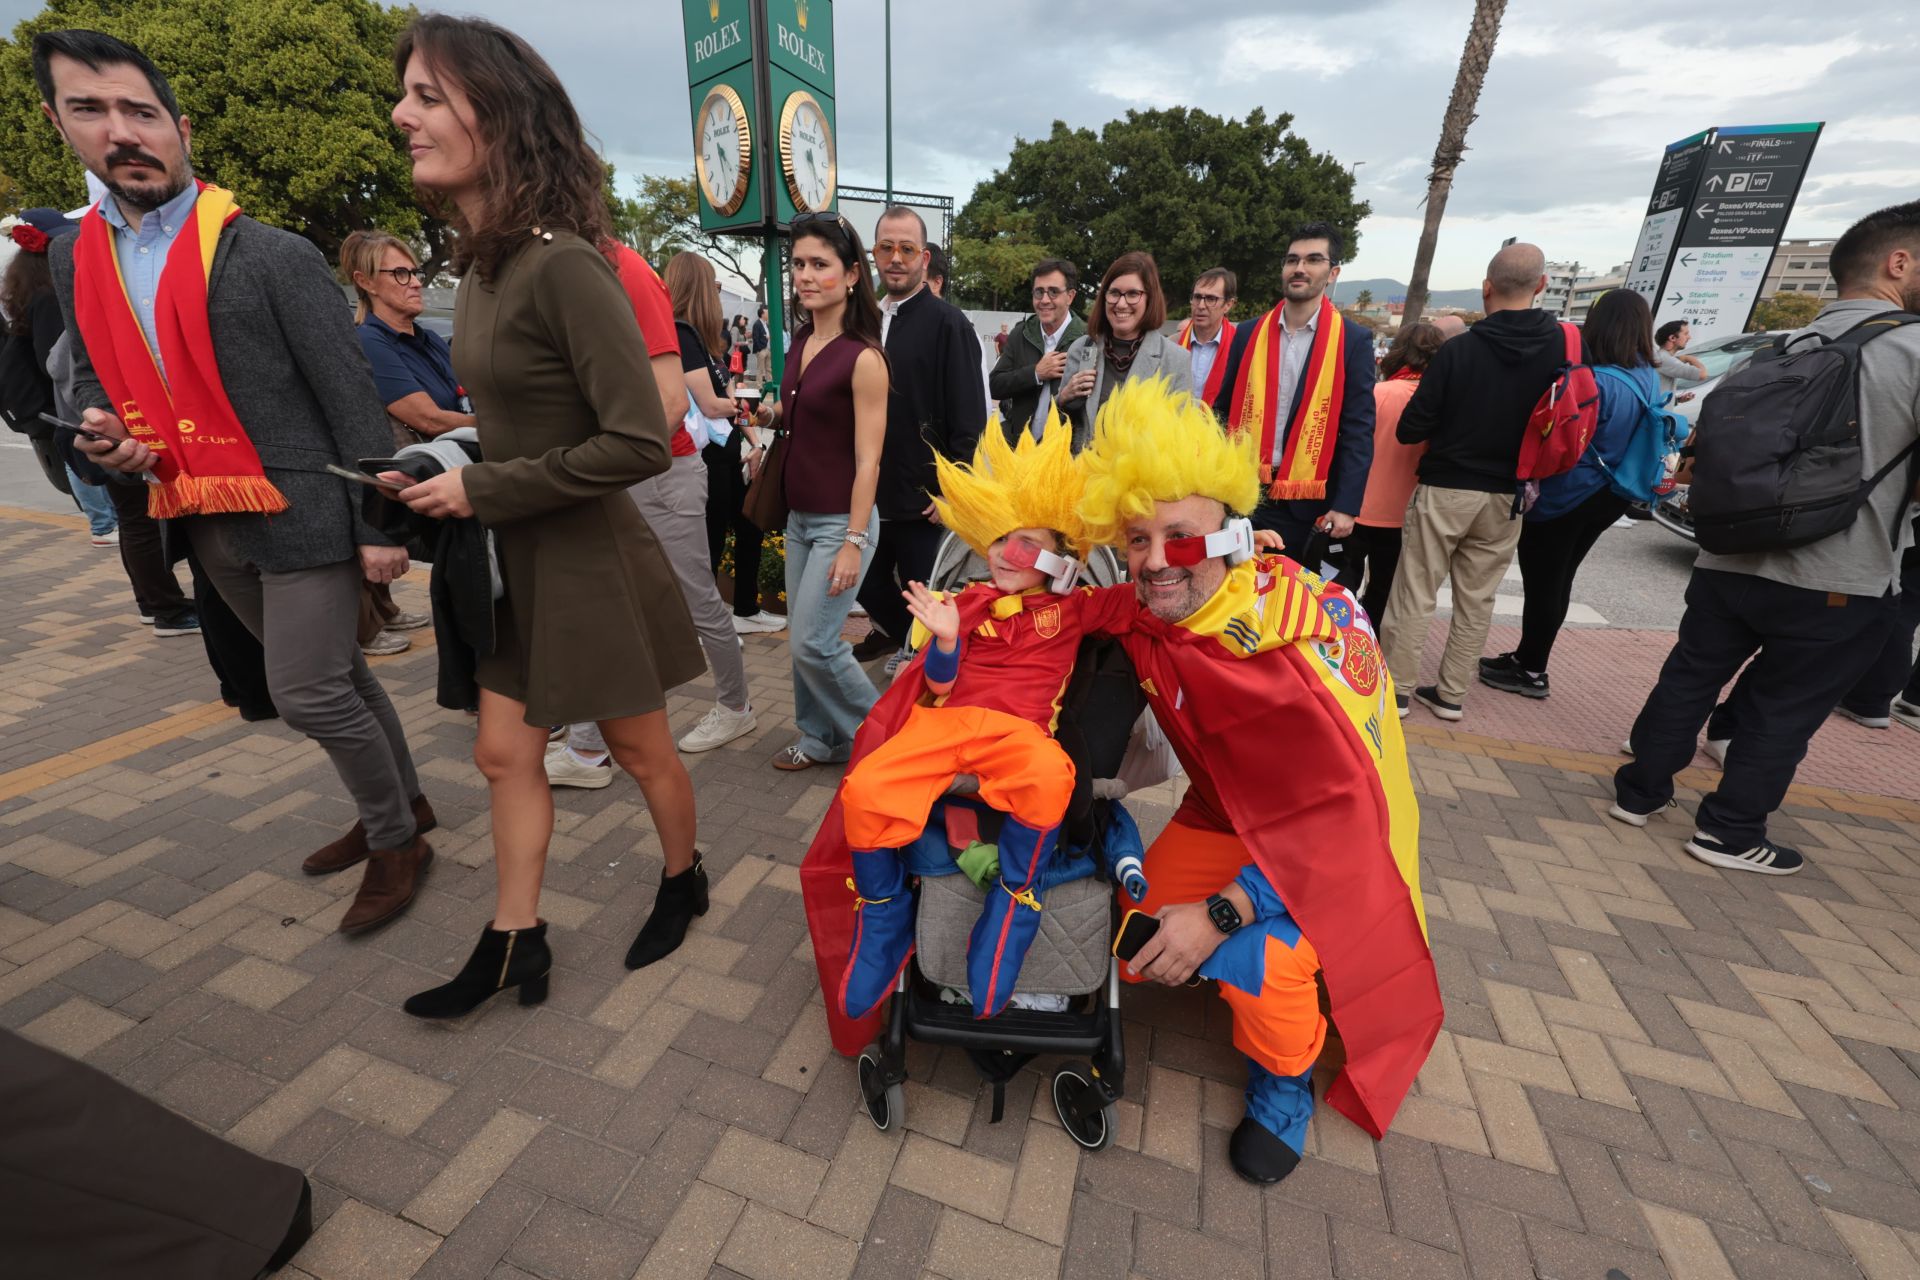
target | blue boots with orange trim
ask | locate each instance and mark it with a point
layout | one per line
(1010, 920)
(882, 930)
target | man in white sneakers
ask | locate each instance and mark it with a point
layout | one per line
(1812, 618)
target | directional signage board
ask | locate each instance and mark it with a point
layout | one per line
(1673, 187)
(1733, 222)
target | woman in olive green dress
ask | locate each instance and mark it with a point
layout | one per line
(592, 626)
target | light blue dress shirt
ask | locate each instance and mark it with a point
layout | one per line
(1202, 355)
(143, 254)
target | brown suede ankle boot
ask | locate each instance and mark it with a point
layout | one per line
(388, 887)
(351, 848)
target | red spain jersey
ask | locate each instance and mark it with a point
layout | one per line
(1018, 655)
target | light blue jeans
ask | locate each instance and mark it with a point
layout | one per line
(95, 503)
(831, 694)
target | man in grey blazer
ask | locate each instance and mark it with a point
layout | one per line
(299, 386)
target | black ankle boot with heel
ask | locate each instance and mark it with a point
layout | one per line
(680, 899)
(503, 958)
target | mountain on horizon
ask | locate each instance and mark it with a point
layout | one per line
(1386, 290)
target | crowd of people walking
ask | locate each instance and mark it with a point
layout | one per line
(595, 432)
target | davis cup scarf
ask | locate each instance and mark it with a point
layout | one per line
(205, 464)
(1219, 370)
(1256, 392)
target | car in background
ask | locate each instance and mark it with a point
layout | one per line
(437, 319)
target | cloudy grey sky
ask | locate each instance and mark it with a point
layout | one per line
(1580, 100)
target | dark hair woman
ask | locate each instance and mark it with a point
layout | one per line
(1574, 509)
(33, 326)
(1373, 548)
(591, 626)
(1123, 341)
(732, 460)
(834, 407)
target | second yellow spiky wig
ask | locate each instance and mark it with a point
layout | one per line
(1154, 444)
(1034, 484)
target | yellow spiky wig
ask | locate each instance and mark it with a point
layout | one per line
(1034, 484)
(1154, 444)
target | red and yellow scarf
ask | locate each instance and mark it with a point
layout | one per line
(1256, 399)
(1219, 370)
(205, 464)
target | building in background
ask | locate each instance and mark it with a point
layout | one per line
(1588, 288)
(1800, 266)
(1558, 296)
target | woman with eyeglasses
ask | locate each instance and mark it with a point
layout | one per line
(1123, 341)
(413, 371)
(834, 405)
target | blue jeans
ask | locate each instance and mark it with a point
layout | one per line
(831, 694)
(96, 503)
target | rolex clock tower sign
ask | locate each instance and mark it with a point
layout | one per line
(760, 77)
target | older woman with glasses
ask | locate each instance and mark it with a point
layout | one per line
(1123, 341)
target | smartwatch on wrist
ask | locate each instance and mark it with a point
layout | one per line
(1223, 914)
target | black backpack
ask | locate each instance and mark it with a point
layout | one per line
(1777, 455)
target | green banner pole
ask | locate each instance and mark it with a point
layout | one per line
(776, 306)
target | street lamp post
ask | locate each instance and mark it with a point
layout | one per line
(889, 101)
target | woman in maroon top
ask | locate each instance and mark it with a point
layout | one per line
(834, 406)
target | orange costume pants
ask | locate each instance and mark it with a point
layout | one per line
(1022, 772)
(1266, 969)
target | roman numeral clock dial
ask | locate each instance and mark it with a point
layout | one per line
(723, 149)
(806, 153)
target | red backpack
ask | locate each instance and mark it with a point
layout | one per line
(1562, 424)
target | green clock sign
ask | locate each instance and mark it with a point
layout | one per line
(760, 79)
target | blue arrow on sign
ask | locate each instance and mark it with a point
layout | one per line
(1676, 299)
(1686, 260)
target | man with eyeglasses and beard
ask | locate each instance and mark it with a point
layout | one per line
(1301, 378)
(1026, 377)
(933, 405)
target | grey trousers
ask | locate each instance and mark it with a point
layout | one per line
(674, 505)
(305, 621)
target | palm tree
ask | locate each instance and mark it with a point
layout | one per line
(1453, 141)
(1363, 300)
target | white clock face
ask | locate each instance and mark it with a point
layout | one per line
(812, 151)
(719, 151)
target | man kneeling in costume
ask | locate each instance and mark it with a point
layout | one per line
(985, 695)
(1295, 852)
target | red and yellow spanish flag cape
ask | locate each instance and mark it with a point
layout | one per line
(1256, 403)
(1218, 373)
(1278, 656)
(204, 462)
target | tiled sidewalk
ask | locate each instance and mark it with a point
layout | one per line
(1650, 1068)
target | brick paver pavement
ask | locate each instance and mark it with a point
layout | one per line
(1649, 1069)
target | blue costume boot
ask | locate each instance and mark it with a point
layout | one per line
(1267, 1144)
(882, 930)
(1010, 920)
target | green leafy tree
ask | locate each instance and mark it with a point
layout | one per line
(993, 268)
(1194, 189)
(1784, 311)
(289, 101)
(1363, 300)
(662, 218)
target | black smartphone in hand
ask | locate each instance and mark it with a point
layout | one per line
(1135, 930)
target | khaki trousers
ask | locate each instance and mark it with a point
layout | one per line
(1464, 535)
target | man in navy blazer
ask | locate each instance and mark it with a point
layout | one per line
(1312, 265)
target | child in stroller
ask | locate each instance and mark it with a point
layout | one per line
(989, 688)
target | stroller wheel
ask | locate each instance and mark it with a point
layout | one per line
(1095, 1132)
(886, 1103)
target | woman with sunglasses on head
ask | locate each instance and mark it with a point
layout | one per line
(1123, 341)
(834, 406)
(591, 625)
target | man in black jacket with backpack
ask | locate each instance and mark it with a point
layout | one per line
(1812, 616)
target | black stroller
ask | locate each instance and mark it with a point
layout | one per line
(1072, 956)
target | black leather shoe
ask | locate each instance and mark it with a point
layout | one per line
(503, 958)
(680, 899)
(1257, 1155)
